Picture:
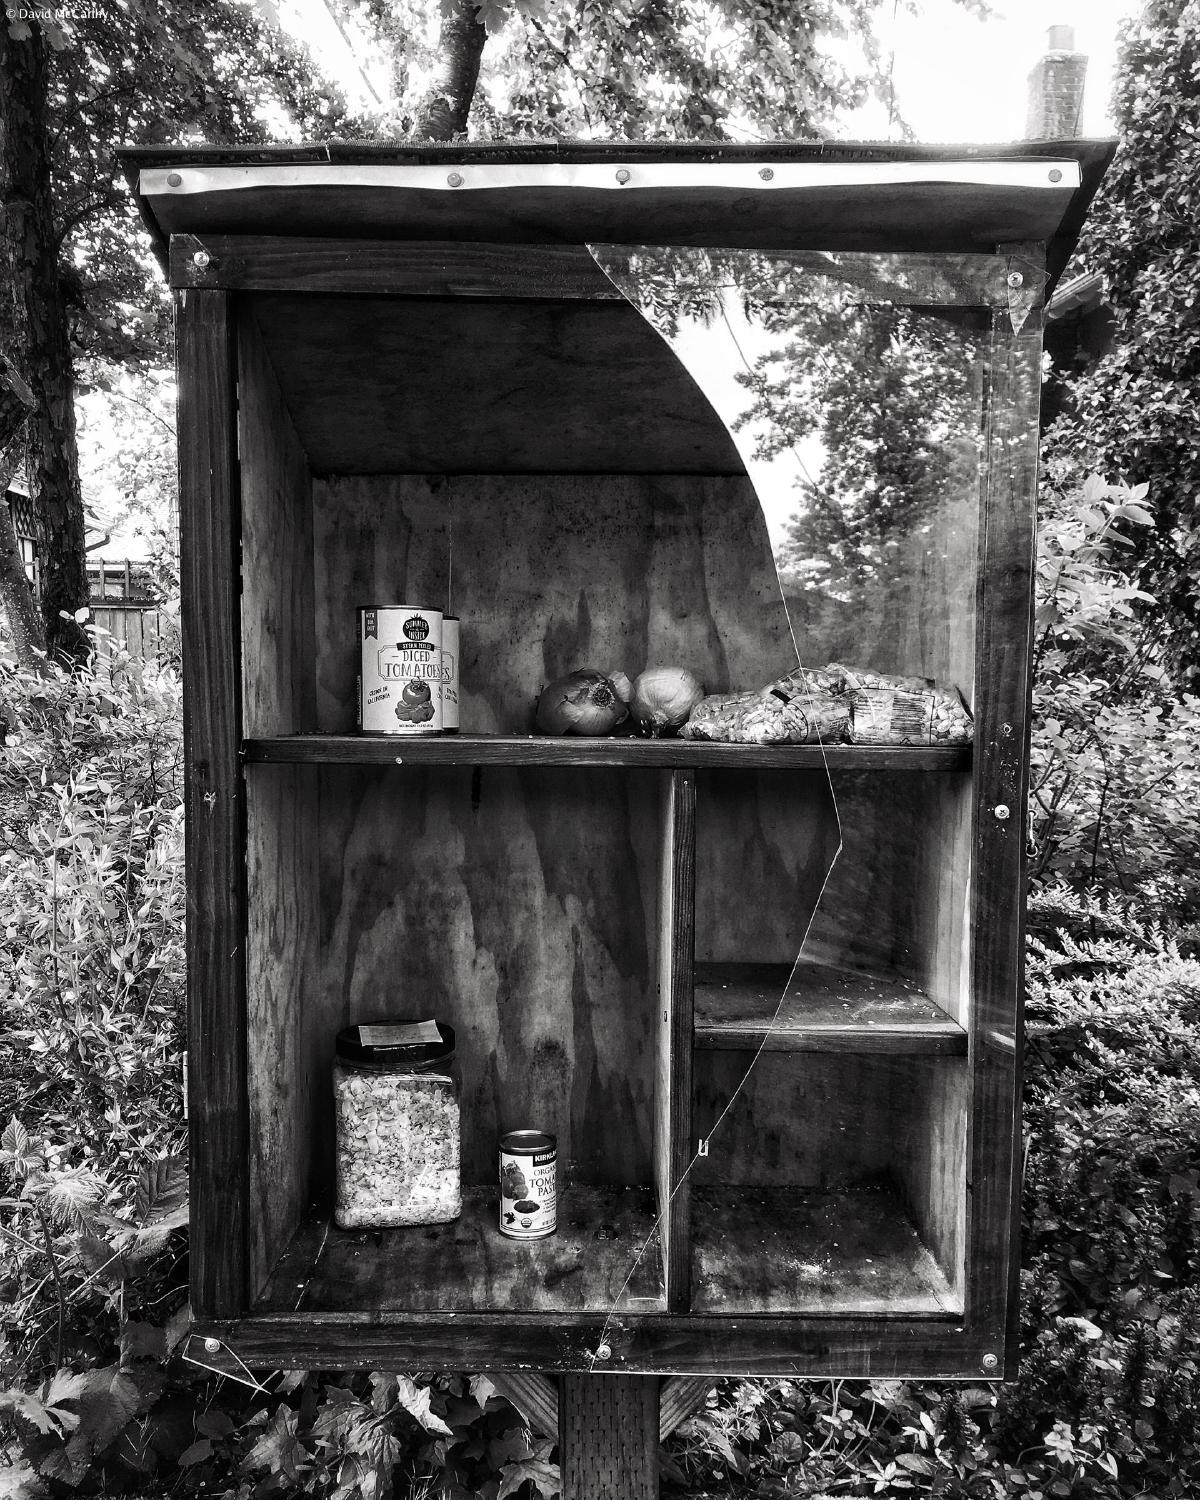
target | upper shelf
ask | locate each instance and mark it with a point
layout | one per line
(541, 750)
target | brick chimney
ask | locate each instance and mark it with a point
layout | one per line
(1056, 89)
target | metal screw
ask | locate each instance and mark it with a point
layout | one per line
(766, 173)
(1015, 279)
(212, 1346)
(603, 1351)
(201, 260)
(1055, 175)
(991, 1361)
(1002, 812)
(623, 176)
(174, 179)
(455, 179)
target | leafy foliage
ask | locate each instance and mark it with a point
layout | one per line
(1130, 415)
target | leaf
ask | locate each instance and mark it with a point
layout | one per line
(537, 1469)
(71, 1198)
(100, 1258)
(196, 1454)
(161, 1188)
(143, 1341)
(215, 1423)
(108, 1404)
(415, 1400)
(278, 1450)
(482, 1389)
(15, 1138)
(20, 1483)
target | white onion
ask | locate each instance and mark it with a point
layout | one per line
(663, 697)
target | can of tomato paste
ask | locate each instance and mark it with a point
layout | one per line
(528, 1184)
(400, 676)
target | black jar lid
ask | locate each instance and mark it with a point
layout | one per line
(380, 1047)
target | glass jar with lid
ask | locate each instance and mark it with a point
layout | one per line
(396, 1108)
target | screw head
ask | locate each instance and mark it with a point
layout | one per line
(1055, 175)
(603, 1351)
(623, 176)
(991, 1362)
(1015, 279)
(174, 179)
(201, 260)
(212, 1346)
(766, 173)
(1002, 812)
(455, 179)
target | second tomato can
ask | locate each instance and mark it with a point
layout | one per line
(528, 1184)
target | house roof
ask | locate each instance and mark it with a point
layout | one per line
(783, 195)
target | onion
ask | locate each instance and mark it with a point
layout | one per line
(663, 697)
(583, 702)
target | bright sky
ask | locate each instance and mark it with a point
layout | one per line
(957, 78)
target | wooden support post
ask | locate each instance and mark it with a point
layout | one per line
(608, 1437)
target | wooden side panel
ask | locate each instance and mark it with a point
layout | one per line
(283, 1086)
(278, 681)
(1002, 748)
(208, 488)
(673, 1068)
(551, 573)
(277, 552)
(608, 1436)
(931, 1162)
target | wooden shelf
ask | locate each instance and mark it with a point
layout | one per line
(779, 1250)
(541, 750)
(823, 1009)
(469, 1266)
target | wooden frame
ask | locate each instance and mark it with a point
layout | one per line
(228, 1263)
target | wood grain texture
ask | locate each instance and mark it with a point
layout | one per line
(285, 1082)
(680, 1397)
(673, 1075)
(422, 268)
(930, 1163)
(817, 1120)
(534, 1396)
(469, 1266)
(817, 1007)
(927, 1347)
(388, 385)
(609, 750)
(277, 607)
(208, 486)
(278, 693)
(785, 1250)
(1002, 691)
(520, 906)
(608, 1437)
(627, 571)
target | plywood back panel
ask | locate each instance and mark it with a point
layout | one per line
(521, 907)
(551, 573)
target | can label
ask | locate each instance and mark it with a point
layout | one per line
(449, 673)
(400, 679)
(528, 1185)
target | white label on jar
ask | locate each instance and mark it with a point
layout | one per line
(399, 1034)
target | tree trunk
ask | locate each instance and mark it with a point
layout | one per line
(443, 112)
(24, 622)
(41, 346)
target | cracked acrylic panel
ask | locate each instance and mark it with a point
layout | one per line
(832, 976)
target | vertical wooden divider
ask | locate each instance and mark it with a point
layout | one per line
(675, 1032)
(215, 851)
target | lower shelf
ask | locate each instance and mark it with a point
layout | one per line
(779, 1250)
(469, 1266)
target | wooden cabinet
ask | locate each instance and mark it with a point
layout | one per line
(767, 997)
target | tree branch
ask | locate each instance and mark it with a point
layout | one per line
(443, 112)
